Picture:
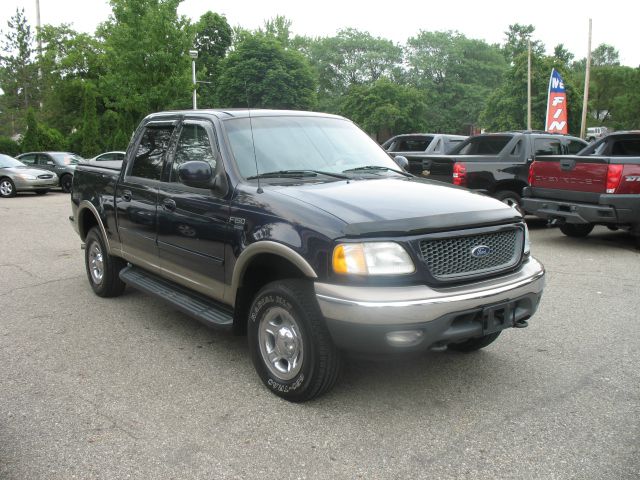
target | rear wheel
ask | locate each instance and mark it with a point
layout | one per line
(291, 348)
(576, 230)
(7, 188)
(103, 270)
(474, 344)
(510, 198)
(65, 183)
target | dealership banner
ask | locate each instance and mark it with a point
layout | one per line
(557, 105)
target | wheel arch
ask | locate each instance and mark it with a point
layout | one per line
(259, 264)
(88, 217)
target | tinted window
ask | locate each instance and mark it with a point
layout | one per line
(489, 145)
(412, 144)
(573, 146)
(629, 148)
(517, 148)
(194, 144)
(28, 159)
(43, 159)
(149, 157)
(547, 146)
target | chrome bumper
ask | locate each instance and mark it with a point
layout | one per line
(419, 304)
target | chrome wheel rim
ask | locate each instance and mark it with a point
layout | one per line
(281, 344)
(96, 263)
(5, 188)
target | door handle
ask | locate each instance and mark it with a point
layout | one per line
(126, 195)
(169, 204)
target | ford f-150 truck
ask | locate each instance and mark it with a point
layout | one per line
(497, 163)
(299, 230)
(599, 186)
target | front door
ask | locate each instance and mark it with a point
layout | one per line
(137, 194)
(193, 222)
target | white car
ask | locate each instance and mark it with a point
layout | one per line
(116, 155)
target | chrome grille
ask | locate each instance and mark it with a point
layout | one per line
(451, 258)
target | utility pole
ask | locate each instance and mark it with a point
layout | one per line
(39, 46)
(529, 87)
(585, 100)
(194, 54)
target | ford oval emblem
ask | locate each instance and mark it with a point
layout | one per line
(481, 251)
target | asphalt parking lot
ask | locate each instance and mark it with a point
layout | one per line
(128, 388)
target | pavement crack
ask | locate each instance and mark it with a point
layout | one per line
(18, 267)
(4, 294)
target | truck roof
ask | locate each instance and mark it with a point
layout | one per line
(223, 113)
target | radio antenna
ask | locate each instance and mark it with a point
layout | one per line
(253, 142)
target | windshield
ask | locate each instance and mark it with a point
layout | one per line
(302, 143)
(482, 145)
(8, 162)
(68, 158)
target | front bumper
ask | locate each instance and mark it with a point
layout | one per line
(359, 318)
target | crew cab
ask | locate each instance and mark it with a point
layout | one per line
(497, 163)
(297, 229)
(598, 186)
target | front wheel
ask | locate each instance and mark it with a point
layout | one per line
(291, 348)
(103, 270)
(510, 198)
(66, 182)
(576, 230)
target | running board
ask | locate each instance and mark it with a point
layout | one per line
(193, 304)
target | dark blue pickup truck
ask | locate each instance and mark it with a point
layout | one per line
(299, 230)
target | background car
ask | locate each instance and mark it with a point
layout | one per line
(63, 164)
(427, 143)
(15, 177)
(107, 157)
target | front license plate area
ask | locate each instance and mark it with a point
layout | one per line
(498, 317)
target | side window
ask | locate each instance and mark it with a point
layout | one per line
(547, 146)
(43, 159)
(104, 157)
(193, 144)
(29, 159)
(149, 157)
(574, 147)
(517, 148)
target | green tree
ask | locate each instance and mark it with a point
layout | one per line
(456, 74)
(9, 147)
(40, 137)
(262, 74)
(350, 58)
(146, 58)
(517, 41)
(605, 55)
(386, 108)
(18, 74)
(213, 37)
(279, 28)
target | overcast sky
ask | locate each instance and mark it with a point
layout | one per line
(556, 22)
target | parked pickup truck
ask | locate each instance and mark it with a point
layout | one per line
(498, 163)
(599, 186)
(299, 230)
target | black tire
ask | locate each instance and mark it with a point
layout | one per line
(474, 344)
(7, 188)
(102, 269)
(511, 198)
(284, 317)
(66, 182)
(42, 192)
(576, 230)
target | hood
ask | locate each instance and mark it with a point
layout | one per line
(26, 171)
(401, 205)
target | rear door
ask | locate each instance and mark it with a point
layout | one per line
(137, 192)
(193, 222)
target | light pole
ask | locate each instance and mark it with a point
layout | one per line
(194, 54)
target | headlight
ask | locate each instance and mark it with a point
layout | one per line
(26, 176)
(372, 258)
(527, 241)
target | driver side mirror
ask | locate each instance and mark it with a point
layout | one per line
(402, 161)
(195, 173)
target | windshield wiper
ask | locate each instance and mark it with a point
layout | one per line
(376, 168)
(297, 173)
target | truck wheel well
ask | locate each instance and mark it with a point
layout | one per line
(264, 268)
(513, 186)
(87, 222)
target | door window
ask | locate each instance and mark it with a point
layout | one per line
(149, 157)
(29, 159)
(43, 159)
(194, 144)
(573, 147)
(547, 146)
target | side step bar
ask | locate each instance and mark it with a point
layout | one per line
(193, 304)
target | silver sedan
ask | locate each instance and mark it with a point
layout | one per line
(15, 177)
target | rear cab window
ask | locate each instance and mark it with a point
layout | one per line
(483, 145)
